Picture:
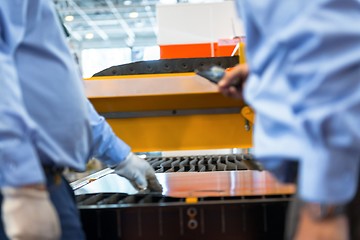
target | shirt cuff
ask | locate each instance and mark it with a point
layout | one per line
(116, 152)
(329, 177)
(20, 165)
(285, 170)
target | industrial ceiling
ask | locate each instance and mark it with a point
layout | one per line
(112, 23)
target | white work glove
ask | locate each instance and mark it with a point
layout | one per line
(139, 172)
(28, 214)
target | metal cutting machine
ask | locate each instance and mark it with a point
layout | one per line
(198, 143)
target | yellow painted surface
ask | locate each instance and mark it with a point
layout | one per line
(136, 76)
(145, 85)
(169, 92)
(192, 132)
(248, 114)
(191, 200)
(242, 53)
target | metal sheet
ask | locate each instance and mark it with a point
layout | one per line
(198, 184)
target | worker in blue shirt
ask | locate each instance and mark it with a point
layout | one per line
(47, 124)
(303, 81)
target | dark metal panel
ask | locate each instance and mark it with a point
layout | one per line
(176, 65)
(211, 218)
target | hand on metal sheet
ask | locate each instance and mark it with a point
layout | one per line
(231, 85)
(139, 173)
(28, 213)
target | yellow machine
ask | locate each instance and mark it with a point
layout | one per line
(168, 112)
(210, 195)
(162, 112)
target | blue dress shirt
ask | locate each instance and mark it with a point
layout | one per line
(304, 57)
(45, 118)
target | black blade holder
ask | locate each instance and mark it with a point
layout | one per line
(213, 73)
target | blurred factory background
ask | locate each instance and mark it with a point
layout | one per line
(104, 33)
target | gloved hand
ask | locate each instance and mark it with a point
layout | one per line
(27, 213)
(139, 173)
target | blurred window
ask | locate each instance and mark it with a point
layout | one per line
(97, 59)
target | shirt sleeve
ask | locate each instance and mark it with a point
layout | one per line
(19, 163)
(106, 146)
(306, 68)
(324, 68)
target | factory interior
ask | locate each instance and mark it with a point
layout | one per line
(198, 141)
(148, 128)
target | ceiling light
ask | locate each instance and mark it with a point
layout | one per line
(127, 2)
(89, 36)
(69, 18)
(133, 14)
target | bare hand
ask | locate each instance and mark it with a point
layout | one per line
(231, 85)
(335, 228)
